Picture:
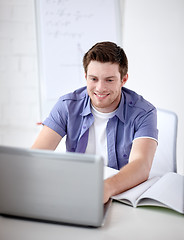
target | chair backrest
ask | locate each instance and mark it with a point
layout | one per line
(165, 157)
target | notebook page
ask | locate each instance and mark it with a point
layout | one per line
(134, 193)
(168, 190)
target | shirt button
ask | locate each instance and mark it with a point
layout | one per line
(125, 155)
(130, 103)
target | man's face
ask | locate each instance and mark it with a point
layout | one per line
(104, 85)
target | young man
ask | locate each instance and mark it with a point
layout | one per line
(107, 119)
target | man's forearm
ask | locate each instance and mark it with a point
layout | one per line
(129, 176)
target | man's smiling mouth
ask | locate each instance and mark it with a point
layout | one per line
(101, 95)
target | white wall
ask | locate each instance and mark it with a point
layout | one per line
(19, 105)
(153, 37)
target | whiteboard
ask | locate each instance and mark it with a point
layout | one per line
(66, 29)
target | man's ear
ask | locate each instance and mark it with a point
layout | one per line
(124, 80)
(85, 76)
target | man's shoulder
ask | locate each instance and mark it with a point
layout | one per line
(135, 100)
(73, 102)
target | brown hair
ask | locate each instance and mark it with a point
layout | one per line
(107, 52)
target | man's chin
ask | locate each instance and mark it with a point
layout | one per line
(100, 107)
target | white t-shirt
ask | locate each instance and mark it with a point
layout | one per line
(97, 140)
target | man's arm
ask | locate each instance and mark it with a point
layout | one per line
(135, 172)
(47, 139)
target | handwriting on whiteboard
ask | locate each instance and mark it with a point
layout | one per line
(65, 20)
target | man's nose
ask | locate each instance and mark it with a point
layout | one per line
(100, 87)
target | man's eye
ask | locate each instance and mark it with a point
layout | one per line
(109, 80)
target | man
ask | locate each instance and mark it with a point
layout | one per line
(106, 118)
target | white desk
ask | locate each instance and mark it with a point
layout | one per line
(123, 222)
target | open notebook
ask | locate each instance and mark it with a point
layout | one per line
(165, 191)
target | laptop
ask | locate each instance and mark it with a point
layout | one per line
(52, 186)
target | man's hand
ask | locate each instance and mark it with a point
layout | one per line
(107, 192)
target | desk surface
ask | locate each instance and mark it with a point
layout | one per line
(122, 222)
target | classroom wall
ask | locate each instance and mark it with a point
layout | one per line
(19, 105)
(148, 28)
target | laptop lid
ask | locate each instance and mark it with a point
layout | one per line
(45, 185)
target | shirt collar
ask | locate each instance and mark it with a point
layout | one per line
(120, 109)
(87, 106)
(119, 113)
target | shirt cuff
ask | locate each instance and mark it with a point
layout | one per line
(146, 137)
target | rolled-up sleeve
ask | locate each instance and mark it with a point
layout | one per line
(146, 125)
(57, 118)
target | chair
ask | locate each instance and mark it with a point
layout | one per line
(165, 156)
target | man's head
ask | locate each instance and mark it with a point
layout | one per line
(106, 68)
(107, 52)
